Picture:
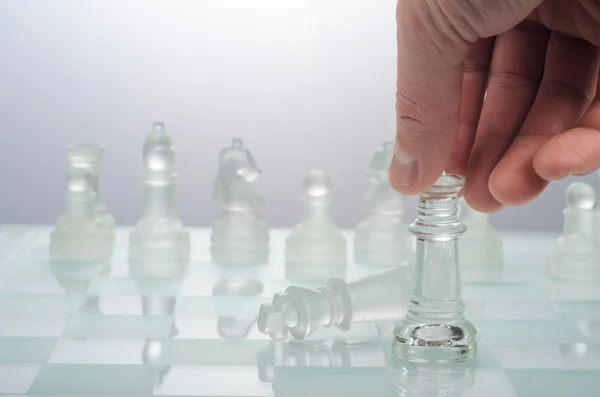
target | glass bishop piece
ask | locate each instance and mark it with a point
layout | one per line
(435, 329)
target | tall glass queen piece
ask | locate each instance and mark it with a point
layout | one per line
(435, 329)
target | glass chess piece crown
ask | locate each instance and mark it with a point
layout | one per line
(435, 329)
(382, 238)
(315, 248)
(239, 236)
(78, 235)
(159, 234)
(576, 255)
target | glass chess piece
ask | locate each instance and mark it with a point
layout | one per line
(316, 248)
(301, 311)
(382, 238)
(576, 255)
(480, 246)
(435, 329)
(78, 236)
(239, 236)
(159, 235)
(90, 157)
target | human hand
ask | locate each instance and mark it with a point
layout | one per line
(538, 61)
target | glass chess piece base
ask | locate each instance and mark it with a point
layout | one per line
(159, 240)
(428, 342)
(435, 329)
(381, 241)
(239, 237)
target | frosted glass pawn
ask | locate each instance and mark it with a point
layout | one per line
(576, 255)
(382, 238)
(316, 241)
(435, 329)
(301, 311)
(239, 236)
(78, 236)
(480, 246)
(159, 235)
(90, 157)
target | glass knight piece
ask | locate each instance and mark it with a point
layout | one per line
(239, 236)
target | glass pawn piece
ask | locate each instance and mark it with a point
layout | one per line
(435, 329)
(576, 254)
(316, 247)
(382, 238)
(301, 311)
(480, 247)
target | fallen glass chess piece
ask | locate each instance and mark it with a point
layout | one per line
(301, 311)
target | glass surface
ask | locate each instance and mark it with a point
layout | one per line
(118, 329)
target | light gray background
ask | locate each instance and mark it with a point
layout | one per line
(306, 83)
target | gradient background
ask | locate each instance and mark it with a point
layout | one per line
(306, 84)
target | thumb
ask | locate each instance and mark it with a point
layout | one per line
(434, 38)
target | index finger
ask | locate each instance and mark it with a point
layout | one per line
(428, 98)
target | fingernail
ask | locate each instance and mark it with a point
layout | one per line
(407, 168)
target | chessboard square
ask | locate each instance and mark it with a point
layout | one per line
(212, 381)
(330, 381)
(98, 351)
(573, 291)
(129, 286)
(39, 305)
(17, 378)
(197, 283)
(500, 275)
(32, 326)
(96, 380)
(220, 305)
(525, 333)
(554, 383)
(217, 328)
(590, 329)
(34, 285)
(113, 305)
(538, 310)
(119, 327)
(17, 350)
(360, 332)
(502, 293)
(560, 356)
(580, 310)
(224, 352)
(490, 383)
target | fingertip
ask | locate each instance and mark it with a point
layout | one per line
(574, 152)
(480, 199)
(515, 184)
